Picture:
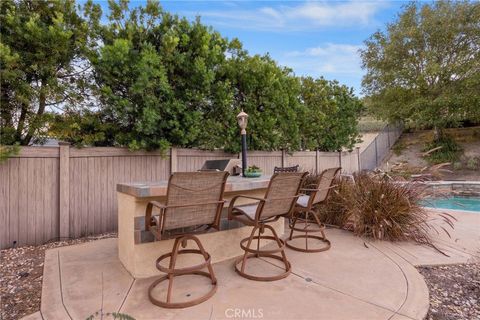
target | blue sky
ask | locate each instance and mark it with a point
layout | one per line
(315, 38)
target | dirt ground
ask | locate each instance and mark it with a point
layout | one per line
(406, 154)
(21, 275)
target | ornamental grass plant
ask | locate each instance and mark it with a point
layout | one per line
(379, 207)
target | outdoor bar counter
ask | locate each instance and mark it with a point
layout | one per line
(137, 249)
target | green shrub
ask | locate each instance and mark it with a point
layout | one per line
(398, 147)
(457, 165)
(449, 150)
(473, 163)
(8, 151)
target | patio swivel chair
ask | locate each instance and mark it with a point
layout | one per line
(304, 212)
(279, 201)
(193, 205)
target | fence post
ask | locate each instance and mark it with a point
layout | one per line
(173, 160)
(388, 136)
(359, 168)
(64, 190)
(376, 153)
(317, 158)
(340, 158)
(283, 158)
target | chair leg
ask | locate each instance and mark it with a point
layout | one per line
(292, 225)
(171, 266)
(306, 234)
(245, 255)
(172, 272)
(257, 253)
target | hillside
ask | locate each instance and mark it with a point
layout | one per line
(406, 155)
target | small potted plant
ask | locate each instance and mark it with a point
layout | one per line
(253, 172)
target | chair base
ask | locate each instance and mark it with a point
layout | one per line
(308, 237)
(260, 278)
(306, 234)
(185, 304)
(250, 253)
(172, 273)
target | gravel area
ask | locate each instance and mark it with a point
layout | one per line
(454, 291)
(21, 273)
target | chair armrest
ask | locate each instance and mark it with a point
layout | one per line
(148, 213)
(331, 187)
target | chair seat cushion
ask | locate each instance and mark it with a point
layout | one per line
(248, 210)
(303, 201)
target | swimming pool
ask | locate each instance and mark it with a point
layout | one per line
(457, 203)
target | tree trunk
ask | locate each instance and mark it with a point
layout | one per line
(438, 133)
(33, 126)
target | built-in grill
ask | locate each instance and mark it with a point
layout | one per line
(232, 166)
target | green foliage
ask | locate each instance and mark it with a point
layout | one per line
(370, 124)
(449, 150)
(110, 315)
(8, 151)
(84, 128)
(156, 75)
(425, 68)
(398, 147)
(146, 79)
(253, 169)
(457, 165)
(473, 163)
(269, 94)
(329, 116)
(41, 48)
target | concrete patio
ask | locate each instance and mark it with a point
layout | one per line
(355, 279)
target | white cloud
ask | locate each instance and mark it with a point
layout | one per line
(328, 59)
(303, 16)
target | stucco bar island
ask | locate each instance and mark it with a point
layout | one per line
(137, 250)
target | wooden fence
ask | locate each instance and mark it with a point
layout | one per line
(47, 193)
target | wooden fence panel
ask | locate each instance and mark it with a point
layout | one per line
(265, 160)
(93, 180)
(328, 160)
(306, 160)
(29, 198)
(33, 208)
(190, 160)
(351, 163)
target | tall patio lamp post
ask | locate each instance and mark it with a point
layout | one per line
(242, 119)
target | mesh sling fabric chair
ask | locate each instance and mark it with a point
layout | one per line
(279, 201)
(193, 205)
(286, 169)
(304, 212)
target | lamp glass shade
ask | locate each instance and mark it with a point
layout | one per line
(242, 119)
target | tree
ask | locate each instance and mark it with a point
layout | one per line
(269, 94)
(425, 68)
(41, 49)
(330, 115)
(156, 75)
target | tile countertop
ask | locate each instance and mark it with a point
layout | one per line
(159, 188)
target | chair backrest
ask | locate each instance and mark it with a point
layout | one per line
(282, 194)
(325, 182)
(286, 169)
(202, 192)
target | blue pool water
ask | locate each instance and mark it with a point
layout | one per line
(457, 203)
